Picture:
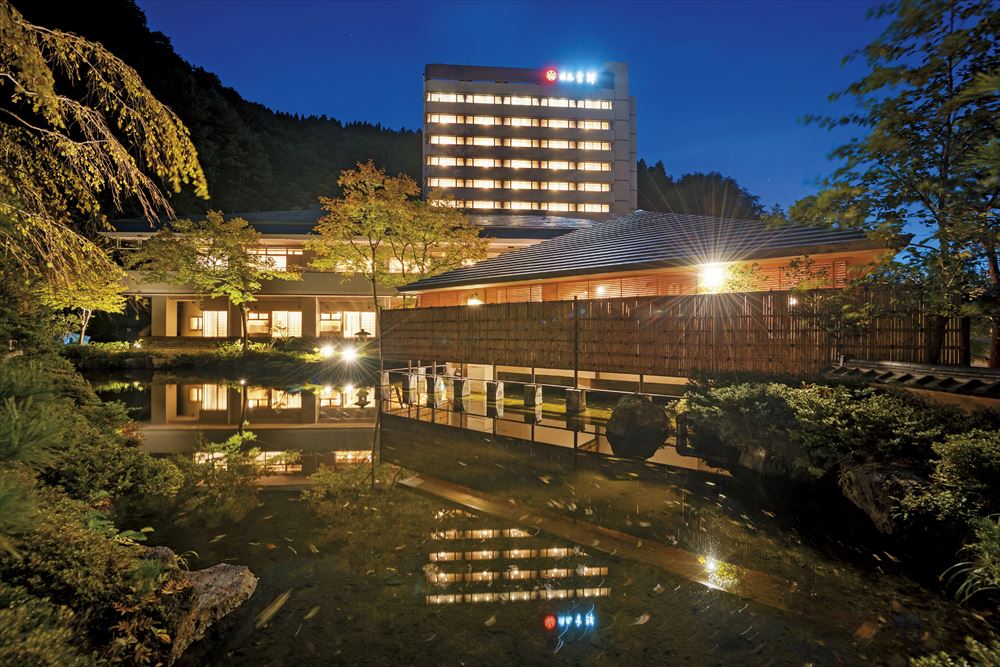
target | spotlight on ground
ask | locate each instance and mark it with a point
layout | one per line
(327, 351)
(349, 354)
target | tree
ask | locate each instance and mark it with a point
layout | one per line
(99, 291)
(78, 128)
(709, 194)
(927, 126)
(214, 256)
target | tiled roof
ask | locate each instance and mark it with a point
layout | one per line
(646, 240)
(295, 223)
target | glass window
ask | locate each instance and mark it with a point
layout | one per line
(442, 97)
(522, 205)
(484, 183)
(522, 122)
(286, 323)
(442, 161)
(520, 185)
(594, 146)
(558, 164)
(196, 323)
(329, 323)
(520, 101)
(446, 140)
(355, 321)
(557, 185)
(594, 187)
(558, 143)
(482, 141)
(444, 182)
(594, 166)
(520, 164)
(593, 124)
(213, 396)
(557, 206)
(485, 120)
(444, 118)
(520, 143)
(593, 208)
(483, 162)
(258, 323)
(215, 324)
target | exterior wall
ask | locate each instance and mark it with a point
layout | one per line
(772, 275)
(503, 85)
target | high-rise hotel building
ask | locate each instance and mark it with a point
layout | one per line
(547, 141)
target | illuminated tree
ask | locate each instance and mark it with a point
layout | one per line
(77, 128)
(214, 256)
(927, 125)
(98, 291)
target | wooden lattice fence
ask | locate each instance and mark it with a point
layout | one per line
(776, 332)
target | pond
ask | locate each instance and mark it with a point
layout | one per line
(487, 544)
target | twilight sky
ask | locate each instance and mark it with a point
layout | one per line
(719, 85)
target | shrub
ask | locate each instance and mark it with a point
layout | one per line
(37, 633)
(982, 573)
(979, 655)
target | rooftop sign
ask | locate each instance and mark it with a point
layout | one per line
(553, 75)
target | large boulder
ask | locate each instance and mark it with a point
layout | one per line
(215, 591)
(637, 427)
(876, 489)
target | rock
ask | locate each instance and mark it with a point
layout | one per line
(215, 591)
(769, 464)
(163, 554)
(876, 489)
(141, 362)
(637, 427)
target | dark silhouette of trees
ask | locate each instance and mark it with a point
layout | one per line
(697, 194)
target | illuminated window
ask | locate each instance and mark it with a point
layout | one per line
(444, 182)
(593, 125)
(484, 183)
(477, 203)
(557, 206)
(484, 99)
(483, 162)
(444, 118)
(521, 101)
(258, 323)
(594, 187)
(560, 102)
(557, 123)
(215, 324)
(283, 400)
(211, 396)
(593, 166)
(557, 185)
(446, 140)
(448, 203)
(593, 104)
(521, 185)
(483, 141)
(520, 143)
(484, 120)
(519, 164)
(522, 122)
(258, 397)
(355, 321)
(329, 323)
(286, 323)
(593, 208)
(558, 143)
(442, 161)
(442, 97)
(522, 205)
(594, 145)
(194, 394)
(557, 165)
(195, 323)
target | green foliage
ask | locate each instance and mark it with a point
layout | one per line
(101, 292)
(34, 632)
(978, 654)
(966, 476)
(338, 492)
(982, 573)
(696, 194)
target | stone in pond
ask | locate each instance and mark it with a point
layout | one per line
(637, 427)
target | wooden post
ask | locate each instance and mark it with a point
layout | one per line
(576, 344)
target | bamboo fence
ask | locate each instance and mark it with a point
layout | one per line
(776, 332)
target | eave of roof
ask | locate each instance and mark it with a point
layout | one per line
(646, 240)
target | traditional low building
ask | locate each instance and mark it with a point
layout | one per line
(657, 254)
(322, 304)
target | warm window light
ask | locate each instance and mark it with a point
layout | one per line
(712, 277)
(600, 290)
(792, 301)
(326, 351)
(349, 354)
(473, 301)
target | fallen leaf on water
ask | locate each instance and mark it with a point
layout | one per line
(216, 538)
(399, 548)
(312, 612)
(460, 463)
(546, 479)
(269, 516)
(272, 609)
(293, 550)
(657, 588)
(490, 621)
(866, 630)
(643, 619)
(287, 539)
(644, 524)
(272, 546)
(312, 548)
(255, 544)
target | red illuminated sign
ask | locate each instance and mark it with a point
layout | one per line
(550, 622)
(551, 75)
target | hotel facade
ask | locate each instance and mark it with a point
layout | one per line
(550, 141)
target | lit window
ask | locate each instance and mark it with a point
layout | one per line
(447, 203)
(286, 323)
(442, 97)
(558, 143)
(594, 104)
(594, 187)
(522, 122)
(483, 162)
(520, 101)
(446, 140)
(484, 120)
(557, 185)
(258, 323)
(593, 208)
(520, 143)
(215, 324)
(557, 206)
(593, 125)
(444, 118)
(522, 205)
(557, 164)
(484, 183)
(444, 182)
(480, 204)
(481, 99)
(196, 324)
(520, 164)
(442, 161)
(557, 123)
(355, 321)
(520, 185)
(593, 166)
(483, 141)
(560, 102)
(594, 145)
(329, 323)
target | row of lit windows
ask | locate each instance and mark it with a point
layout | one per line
(489, 183)
(520, 596)
(518, 100)
(561, 207)
(488, 162)
(559, 123)
(519, 142)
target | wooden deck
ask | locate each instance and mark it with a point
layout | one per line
(777, 332)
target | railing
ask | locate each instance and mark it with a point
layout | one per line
(777, 332)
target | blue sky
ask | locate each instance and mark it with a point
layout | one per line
(719, 85)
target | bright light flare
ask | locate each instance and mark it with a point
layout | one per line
(473, 301)
(327, 351)
(712, 277)
(711, 565)
(349, 354)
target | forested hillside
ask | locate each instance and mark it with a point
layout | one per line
(254, 158)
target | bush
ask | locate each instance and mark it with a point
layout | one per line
(982, 573)
(36, 633)
(979, 655)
